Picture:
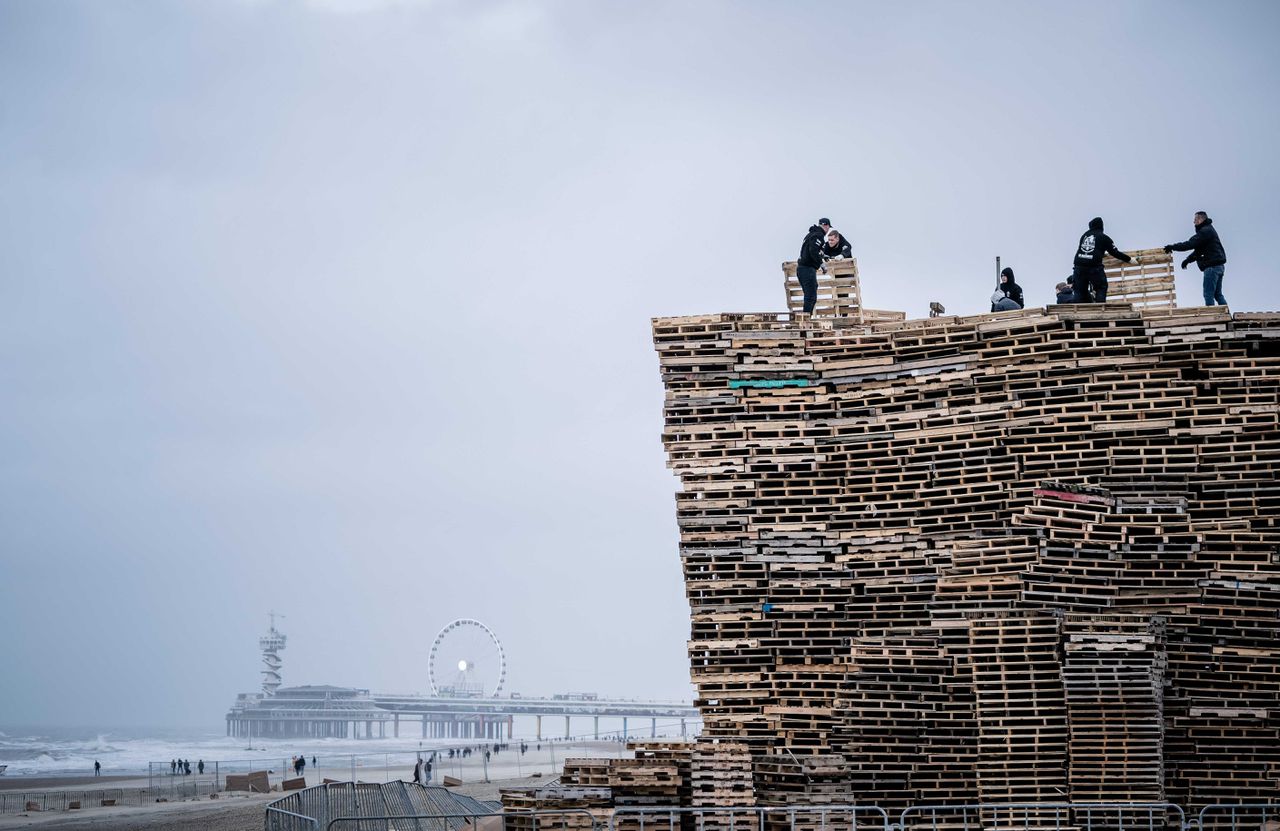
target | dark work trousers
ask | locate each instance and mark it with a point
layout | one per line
(1087, 279)
(808, 278)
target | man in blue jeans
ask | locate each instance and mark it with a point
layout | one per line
(1207, 252)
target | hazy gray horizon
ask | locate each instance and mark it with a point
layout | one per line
(342, 308)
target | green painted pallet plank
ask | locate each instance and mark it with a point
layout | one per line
(773, 384)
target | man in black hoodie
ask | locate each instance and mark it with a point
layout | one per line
(1088, 271)
(809, 261)
(1207, 252)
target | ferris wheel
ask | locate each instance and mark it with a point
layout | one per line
(466, 661)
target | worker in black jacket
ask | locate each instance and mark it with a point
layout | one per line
(1008, 295)
(836, 246)
(1088, 272)
(809, 262)
(1207, 252)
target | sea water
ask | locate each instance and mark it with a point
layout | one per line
(69, 751)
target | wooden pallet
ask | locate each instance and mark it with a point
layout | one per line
(571, 809)
(1147, 283)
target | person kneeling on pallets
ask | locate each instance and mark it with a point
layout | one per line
(1008, 295)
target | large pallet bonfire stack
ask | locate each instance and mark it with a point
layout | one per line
(1029, 556)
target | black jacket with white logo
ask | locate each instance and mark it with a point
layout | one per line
(1093, 245)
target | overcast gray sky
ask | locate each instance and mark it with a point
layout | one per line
(342, 308)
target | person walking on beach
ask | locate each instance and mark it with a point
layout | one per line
(186, 765)
(200, 766)
(417, 772)
(173, 767)
(1089, 274)
(313, 761)
(97, 768)
(1207, 253)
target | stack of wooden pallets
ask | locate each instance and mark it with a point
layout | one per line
(1113, 673)
(1225, 656)
(1015, 674)
(1146, 282)
(895, 690)
(644, 781)
(678, 754)
(568, 808)
(839, 293)
(585, 773)
(721, 775)
(1028, 556)
(811, 779)
(1022, 556)
(785, 780)
(641, 787)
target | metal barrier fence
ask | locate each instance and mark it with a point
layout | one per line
(15, 802)
(179, 788)
(835, 817)
(1045, 816)
(1031, 816)
(278, 819)
(569, 820)
(1256, 816)
(310, 809)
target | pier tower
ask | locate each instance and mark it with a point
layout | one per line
(271, 644)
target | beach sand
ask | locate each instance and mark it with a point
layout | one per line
(79, 783)
(229, 812)
(246, 812)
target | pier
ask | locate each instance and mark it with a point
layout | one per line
(348, 713)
